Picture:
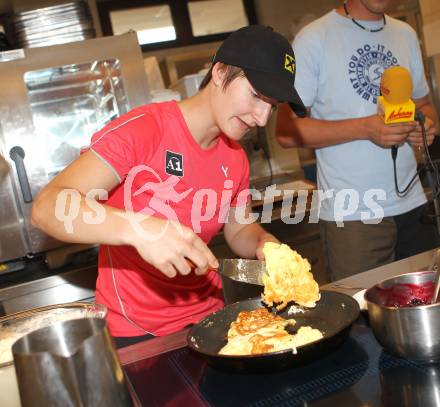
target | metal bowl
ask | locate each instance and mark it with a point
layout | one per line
(400, 324)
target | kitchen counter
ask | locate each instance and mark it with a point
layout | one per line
(37, 285)
(359, 373)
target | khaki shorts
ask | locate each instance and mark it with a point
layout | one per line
(358, 247)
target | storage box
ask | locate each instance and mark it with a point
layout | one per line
(188, 85)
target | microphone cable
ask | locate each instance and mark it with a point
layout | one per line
(430, 167)
(402, 193)
(427, 155)
(419, 117)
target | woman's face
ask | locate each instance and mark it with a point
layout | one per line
(239, 108)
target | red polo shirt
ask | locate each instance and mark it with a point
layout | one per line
(165, 173)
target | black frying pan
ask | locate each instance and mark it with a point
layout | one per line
(333, 316)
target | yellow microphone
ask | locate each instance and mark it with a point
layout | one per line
(395, 105)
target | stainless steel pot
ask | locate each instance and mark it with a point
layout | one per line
(15, 326)
(70, 363)
(411, 330)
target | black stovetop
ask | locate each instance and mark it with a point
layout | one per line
(358, 373)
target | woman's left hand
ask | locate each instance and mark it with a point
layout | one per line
(267, 237)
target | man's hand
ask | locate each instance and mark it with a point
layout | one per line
(415, 137)
(389, 135)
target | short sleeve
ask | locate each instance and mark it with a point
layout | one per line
(420, 85)
(306, 49)
(127, 141)
(241, 198)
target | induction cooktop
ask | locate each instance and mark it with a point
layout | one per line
(358, 373)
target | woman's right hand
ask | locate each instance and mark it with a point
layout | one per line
(168, 245)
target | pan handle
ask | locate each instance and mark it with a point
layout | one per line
(17, 155)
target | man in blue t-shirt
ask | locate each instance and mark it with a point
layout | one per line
(364, 222)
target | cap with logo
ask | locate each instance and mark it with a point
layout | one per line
(268, 61)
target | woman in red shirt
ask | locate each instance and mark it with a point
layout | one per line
(168, 177)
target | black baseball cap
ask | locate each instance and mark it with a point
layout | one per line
(268, 61)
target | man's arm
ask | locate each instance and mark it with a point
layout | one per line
(292, 131)
(246, 240)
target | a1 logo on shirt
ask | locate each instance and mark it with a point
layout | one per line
(174, 163)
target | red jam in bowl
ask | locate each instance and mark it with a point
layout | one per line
(406, 295)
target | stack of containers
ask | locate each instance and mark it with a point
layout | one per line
(54, 25)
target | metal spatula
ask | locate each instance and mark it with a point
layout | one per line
(243, 270)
